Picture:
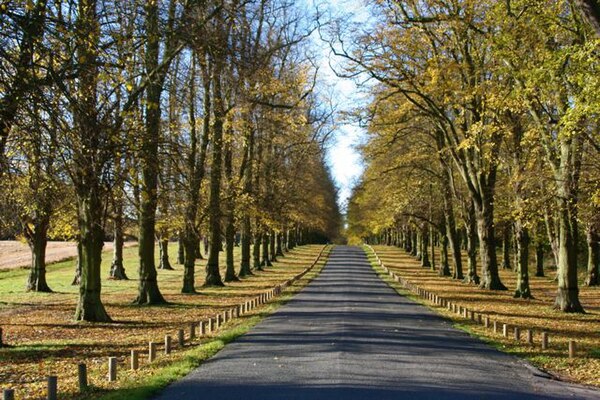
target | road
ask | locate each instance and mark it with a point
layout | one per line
(348, 336)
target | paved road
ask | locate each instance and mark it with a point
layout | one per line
(349, 336)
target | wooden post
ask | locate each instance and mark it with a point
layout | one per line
(201, 328)
(495, 326)
(505, 330)
(151, 351)
(180, 337)
(192, 330)
(209, 328)
(529, 336)
(8, 394)
(572, 349)
(167, 344)
(82, 375)
(486, 322)
(544, 340)
(517, 333)
(112, 369)
(52, 388)
(135, 359)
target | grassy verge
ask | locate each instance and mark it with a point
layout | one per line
(500, 306)
(46, 341)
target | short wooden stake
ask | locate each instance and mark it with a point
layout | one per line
(218, 323)
(82, 377)
(135, 359)
(180, 337)
(505, 330)
(151, 351)
(192, 330)
(201, 328)
(544, 340)
(517, 333)
(486, 322)
(529, 335)
(52, 388)
(167, 344)
(112, 369)
(495, 326)
(8, 394)
(572, 349)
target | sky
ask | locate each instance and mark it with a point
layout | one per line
(343, 157)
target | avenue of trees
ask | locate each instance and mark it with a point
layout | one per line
(484, 136)
(161, 120)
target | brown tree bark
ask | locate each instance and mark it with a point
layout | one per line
(593, 267)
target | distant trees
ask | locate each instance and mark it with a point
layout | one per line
(193, 118)
(496, 111)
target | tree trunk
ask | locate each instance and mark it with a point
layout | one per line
(539, 259)
(432, 240)
(77, 278)
(37, 240)
(484, 212)
(90, 307)
(522, 235)
(279, 251)
(567, 298)
(190, 244)
(213, 275)
(444, 267)
(415, 244)
(117, 270)
(471, 244)
(593, 267)
(148, 291)
(506, 248)
(272, 250)
(180, 249)
(256, 251)
(163, 247)
(88, 173)
(425, 248)
(229, 245)
(245, 250)
(266, 262)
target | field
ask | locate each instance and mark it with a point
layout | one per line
(44, 340)
(536, 314)
(15, 254)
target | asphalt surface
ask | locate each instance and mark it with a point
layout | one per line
(348, 336)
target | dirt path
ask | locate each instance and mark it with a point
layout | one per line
(14, 254)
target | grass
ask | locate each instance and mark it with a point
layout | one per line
(536, 314)
(45, 340)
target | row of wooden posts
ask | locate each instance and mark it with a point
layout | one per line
(204, 327)
(474, 316)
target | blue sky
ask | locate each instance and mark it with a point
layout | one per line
(343, 157)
